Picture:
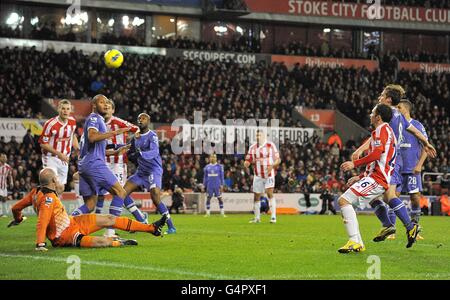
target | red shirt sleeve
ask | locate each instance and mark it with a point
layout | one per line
(46, 133)
(379, 140)
(124, 124)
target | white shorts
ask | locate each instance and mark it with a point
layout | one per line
(261, 184)
(3, 193)
(61, 169)
(364, 189)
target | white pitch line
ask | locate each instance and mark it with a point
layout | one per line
(224, 277)
(126, 266)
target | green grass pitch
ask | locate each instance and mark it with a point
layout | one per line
(297, 247)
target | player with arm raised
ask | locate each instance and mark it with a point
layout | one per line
(5, 180)
(57, 140)
(213, 180)
(94, 174)
(63, 231)
(391, 96)
(375, 181)
(265, 158)
(413, 156)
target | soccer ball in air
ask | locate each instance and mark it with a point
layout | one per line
(113, 58)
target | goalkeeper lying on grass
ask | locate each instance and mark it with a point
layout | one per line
(55, 224)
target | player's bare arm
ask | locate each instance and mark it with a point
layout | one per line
(275, 165)
(347, 166)
(429, 149)
(119, 151)
(352, 180)
(364, 147)
(95, 136)
(247, 164)
(75, 143)
(423, 157)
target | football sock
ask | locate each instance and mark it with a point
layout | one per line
(257, 210)
(132, 208)
(381, 212)
(82, 210)
(273, 208)
(402, 213)
(208, 203)
(127, 224)
(392, 216)
(115, 209)
(222, 211)
(415, 212)
(99, 205)
(351, 223)
(162, 208)
(86, 241)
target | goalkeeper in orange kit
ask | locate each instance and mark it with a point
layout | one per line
(55, 224)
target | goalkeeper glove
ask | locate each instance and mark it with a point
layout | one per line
(41, 247)
(15, 223)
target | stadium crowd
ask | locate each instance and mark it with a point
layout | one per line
(241, 44)
(173, 88)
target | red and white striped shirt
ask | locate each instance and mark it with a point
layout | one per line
(383, 139)
(262, 157)
(121, 139)
(5, 172)
(58, 135)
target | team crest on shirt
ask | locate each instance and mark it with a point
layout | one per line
(377, 143)
(48, 201)
(45, 139)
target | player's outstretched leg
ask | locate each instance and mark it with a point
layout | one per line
(136, 212)
(208, 206)
(126, 224)
(381, 211)
(355, 243)
(101, 241)
(87, 207)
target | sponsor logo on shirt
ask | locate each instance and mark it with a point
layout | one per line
(48, 201)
